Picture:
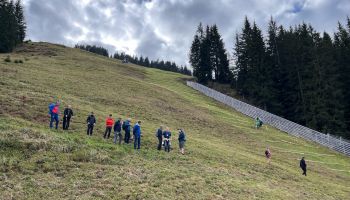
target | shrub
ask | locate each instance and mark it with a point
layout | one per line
(18, 61)
(7, 59)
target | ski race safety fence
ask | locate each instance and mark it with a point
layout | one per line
(280, 123)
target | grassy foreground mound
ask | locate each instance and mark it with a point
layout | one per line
(225, 154)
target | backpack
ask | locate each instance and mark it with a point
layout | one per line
(55, 109)
(124, 126)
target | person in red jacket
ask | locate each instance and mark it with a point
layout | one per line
(109, 125)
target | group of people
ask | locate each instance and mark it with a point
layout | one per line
(163, 134)
(164, 139)
(118, 125)
(54, 110)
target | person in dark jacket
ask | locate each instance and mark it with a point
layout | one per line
(159, 135)
(303, 165)
(109, 125)
(137, 135)
(182, 140)
(127, 129)
(67, 114)
(54, 110)
(167, 139)
(91, 121)
(117, 131)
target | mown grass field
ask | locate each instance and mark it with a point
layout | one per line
(224, 152)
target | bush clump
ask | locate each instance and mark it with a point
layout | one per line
(7, 59)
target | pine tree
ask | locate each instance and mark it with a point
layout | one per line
(258, 77)
(218, 57)
(243, 41)
(21, 29)
(8, 27)
(342, 46)
(195, 51)
(331, 118)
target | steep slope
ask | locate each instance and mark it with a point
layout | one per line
(225, 154)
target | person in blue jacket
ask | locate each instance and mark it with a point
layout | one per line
(54, 110)
(137, 135)
(126, 127)
(118, 131)
(166, 139)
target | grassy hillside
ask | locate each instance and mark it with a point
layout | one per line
(225, 154)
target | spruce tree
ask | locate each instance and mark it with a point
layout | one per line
(21, 25)
(194, 56)
(243, 41)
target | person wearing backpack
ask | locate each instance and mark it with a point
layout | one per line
(91, 121)
(303, 165)
(109, 125)
(67, 114)
(137, 135)
(159, 135)
(182, 140)
(127, 129)
(167, 138)
(258, 123)
(54, 110)
(118, 131)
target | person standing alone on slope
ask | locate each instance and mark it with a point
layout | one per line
(54, 110)
(91, 121)
(67, 114)
(109, 125)
(268, 155)
(303, 165)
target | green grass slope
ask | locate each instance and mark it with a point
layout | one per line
(225, 154)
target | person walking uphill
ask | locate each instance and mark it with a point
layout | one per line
(137, 135)
(117, 131)
(109, 125)
(159, 135)
(303, 165)
(67, 114)
(182, 140)
(91, 121)
(54, 110)
(126, 128)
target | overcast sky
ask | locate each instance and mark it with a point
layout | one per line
(165, 28)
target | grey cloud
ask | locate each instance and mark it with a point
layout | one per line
(165, 30)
